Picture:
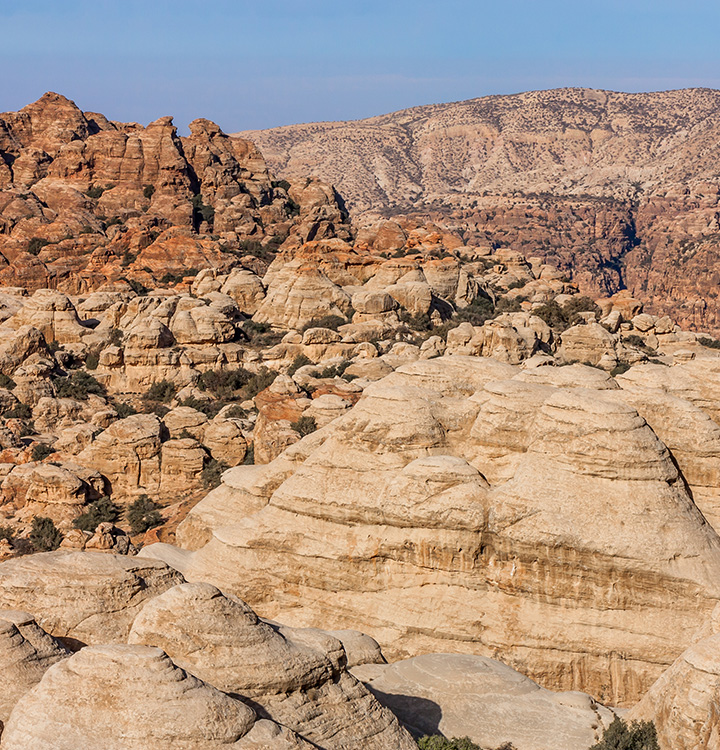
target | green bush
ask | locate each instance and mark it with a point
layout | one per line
(620, 368)
(305, 425)
(212, 473)
(41, 451)
(476, 313)
(100, 511)
(260, 334)
(562, 318)
(224, 384)
(140, 289)
(95, 192)
(620, 736)
(148, 191)
(333, 322)
(259, 382)
(201, 211)
(92, 361)
(143, 514)
(336, 371)
(6, 382)
(7, 532)
(236, 412)
(300, 361)
(44, 535)
(206, 406)
(709, 343)
(163, 391)
(79, 386)
(36, 244)
(20, 411)
(437, 742)
(124, 410)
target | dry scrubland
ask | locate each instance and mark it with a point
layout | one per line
(227, 404)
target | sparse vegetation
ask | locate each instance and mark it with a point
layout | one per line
(124, 410)
(41, 451)
(44, 535)
(709, 343)
(143, 514)
(163, 391)
(79, 385)
(333, 322)
(438, 742)
(212, 473)
(19, 411)
(97, 512)
(6, 382)
(36, 244)
(300, 361)
(636, 736)
(148, 191)
(562, 318)
(305, 425)
(620, 368)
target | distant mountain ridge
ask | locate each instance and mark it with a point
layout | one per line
(619, 190)
(570, 141)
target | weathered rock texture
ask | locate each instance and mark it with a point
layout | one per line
(618, 189)
(471, 696)
(134, 697)
(83, 597)
(465, 505)
(683, 703)
(296, 677)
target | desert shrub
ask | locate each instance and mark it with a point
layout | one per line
(709, 343)
(97, 512)
(6, 382)
(92, 361)
(212, 473)
(79, 386)
(148, 191)
(620, 368)
(124, 410)
(259, 382)
(224, 384)
(20, 411)
(249, 459)
(562, 318)
(419, 322)
(143, 514)
(41, 451)
(201, 211)
(36, 244)
(44, 535)
(292, 208)
(636, 736)
(127, 259)
(437, 742)
(305, 425)
(336, 371)
(260, 334)
(283, 184)
(163, 391)
(476, 313)
(95, 192)
(116, 336)
(140, 289)
(236, 412)
(7, 532)
(300, 361)
(206, 406)
(333, 322)
(86, 229)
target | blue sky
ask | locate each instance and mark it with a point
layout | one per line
(275, 62)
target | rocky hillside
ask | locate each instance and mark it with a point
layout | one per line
(85, 202)
(619, 190)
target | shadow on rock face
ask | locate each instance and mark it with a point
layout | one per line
(419, 715)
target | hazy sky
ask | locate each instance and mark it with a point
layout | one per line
(275, 62)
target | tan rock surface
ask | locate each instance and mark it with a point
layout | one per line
(221, 640)
(449, 512)
(471, 696)
(683, 702)
(86, 597)
(140, 700)
(26, 652)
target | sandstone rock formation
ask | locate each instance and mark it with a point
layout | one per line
(683, 702)
(459, 506)
(83, 597)
(471, 696)
(220, 640)
(617, 189)
(139, 699)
